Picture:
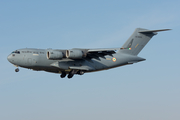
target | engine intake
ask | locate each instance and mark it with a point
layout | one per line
(74, 54)
(54, 55)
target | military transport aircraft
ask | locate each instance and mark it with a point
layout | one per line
(80, 61)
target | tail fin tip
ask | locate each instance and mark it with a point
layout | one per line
(152, 31)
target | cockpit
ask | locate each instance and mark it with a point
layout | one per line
(17, 52)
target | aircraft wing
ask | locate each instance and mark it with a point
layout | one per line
(103, 49)
(96, 53)
(78, 53)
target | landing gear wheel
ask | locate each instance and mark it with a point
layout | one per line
(70, 75)
(17, 70)
(81, 72)
(63, 75)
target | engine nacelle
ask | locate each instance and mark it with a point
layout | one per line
(74, 54)
(54, 55)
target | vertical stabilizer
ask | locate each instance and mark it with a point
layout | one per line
(138, 40)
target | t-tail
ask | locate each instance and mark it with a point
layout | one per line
(138, 40)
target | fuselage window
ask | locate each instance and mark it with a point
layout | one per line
(35, 52)
(41, 52)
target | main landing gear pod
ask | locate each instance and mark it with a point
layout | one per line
(71, 73)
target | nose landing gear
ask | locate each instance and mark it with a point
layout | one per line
(17, 70)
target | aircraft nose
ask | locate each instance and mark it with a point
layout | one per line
(9, 58)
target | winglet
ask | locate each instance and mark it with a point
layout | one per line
(151, 31)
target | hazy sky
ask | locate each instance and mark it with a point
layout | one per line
(149, 90)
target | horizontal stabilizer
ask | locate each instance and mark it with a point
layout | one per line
(151, 31)
(132, 62)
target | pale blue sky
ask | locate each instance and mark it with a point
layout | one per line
(148, 90)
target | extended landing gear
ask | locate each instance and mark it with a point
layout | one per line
(63, 75)
(17, 70)
(71, 74)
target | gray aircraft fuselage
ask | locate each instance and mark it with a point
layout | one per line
(36, 59)
(80, 61)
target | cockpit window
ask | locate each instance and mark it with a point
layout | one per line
(18, 52)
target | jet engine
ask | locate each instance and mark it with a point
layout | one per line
(54, 55)
(74, 54)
